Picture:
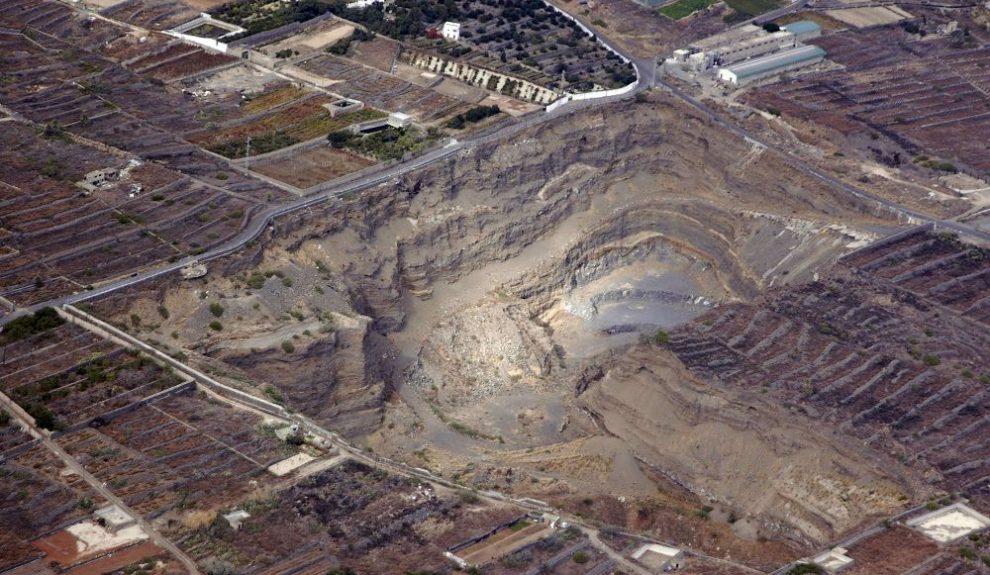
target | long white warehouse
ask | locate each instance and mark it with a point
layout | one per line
(751, 70)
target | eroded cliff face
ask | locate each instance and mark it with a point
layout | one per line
(483, 306)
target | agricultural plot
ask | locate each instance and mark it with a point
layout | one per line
(61, 239)
(36, 498)
(941, 108)
(746, 9)
(914, 378)
(684, 8)
(66, 376)
(177, 60)
(350, 515)
(152, 14)
(305, 168)
(382, 90)
(178, 451)
(302, 120)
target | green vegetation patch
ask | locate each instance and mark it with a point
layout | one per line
(472, 116)
(746, 9)
(24, 327)
(684, 8)
(388, 144)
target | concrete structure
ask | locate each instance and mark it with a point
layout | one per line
(804, 30)
(100, 177)
(236, 518)
(950, 523)
(754, 47)
(181, 32)
(771, 65)
(361, 4)
(369, 126)
(451, 31)
(112, 518)
(661, 558)
(399, 120)
(834, 560)
(343, 106)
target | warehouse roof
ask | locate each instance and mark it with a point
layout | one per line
(802, 27)
(782, 59)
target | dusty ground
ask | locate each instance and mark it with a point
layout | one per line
(312, 166)
(476, 286)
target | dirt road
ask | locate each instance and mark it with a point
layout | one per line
(27, 422)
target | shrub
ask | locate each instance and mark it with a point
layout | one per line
(275, 395)
(43, 417)
(661, 338)
(216, 326)
(163, 311)
(287, 346)
(26, 326)
(931, 360)
(580, 558)
(216, 309)
(806, 569)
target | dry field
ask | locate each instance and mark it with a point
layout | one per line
(312, 166)
(349, 515)
(888, 347)
(179, 451)
(382, 90)
(932, 102)
(35, 497)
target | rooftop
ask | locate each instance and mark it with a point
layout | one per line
(950, 523)
(802, 27)
(764, 64)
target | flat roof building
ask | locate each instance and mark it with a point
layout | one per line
(451, 31)
(660, 558)
(804, 30)
(834, 560)
(752, 70)
(950, 523)
(399, 120)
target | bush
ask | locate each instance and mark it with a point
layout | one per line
(26, 326)
(661, 338)
(275, 395)
(216, 309)
(216, 326)
(476, 114)
(163, 311)
(43, 417)
(287, 346)
(580, 557)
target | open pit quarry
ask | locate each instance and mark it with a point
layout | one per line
(494, 318)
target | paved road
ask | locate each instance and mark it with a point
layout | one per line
(810, 170)
(70, 462)
(645, 68)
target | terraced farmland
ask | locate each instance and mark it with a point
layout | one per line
(890, 348)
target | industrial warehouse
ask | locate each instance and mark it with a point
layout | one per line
(743, 55)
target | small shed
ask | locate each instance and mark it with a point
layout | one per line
(399, 120)
(451, 31)
(659, 558)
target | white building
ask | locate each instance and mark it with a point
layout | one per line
(451, 31)
(661, 558)
(950, 523)
(757, 68)
(399, 120)
(833, 561)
